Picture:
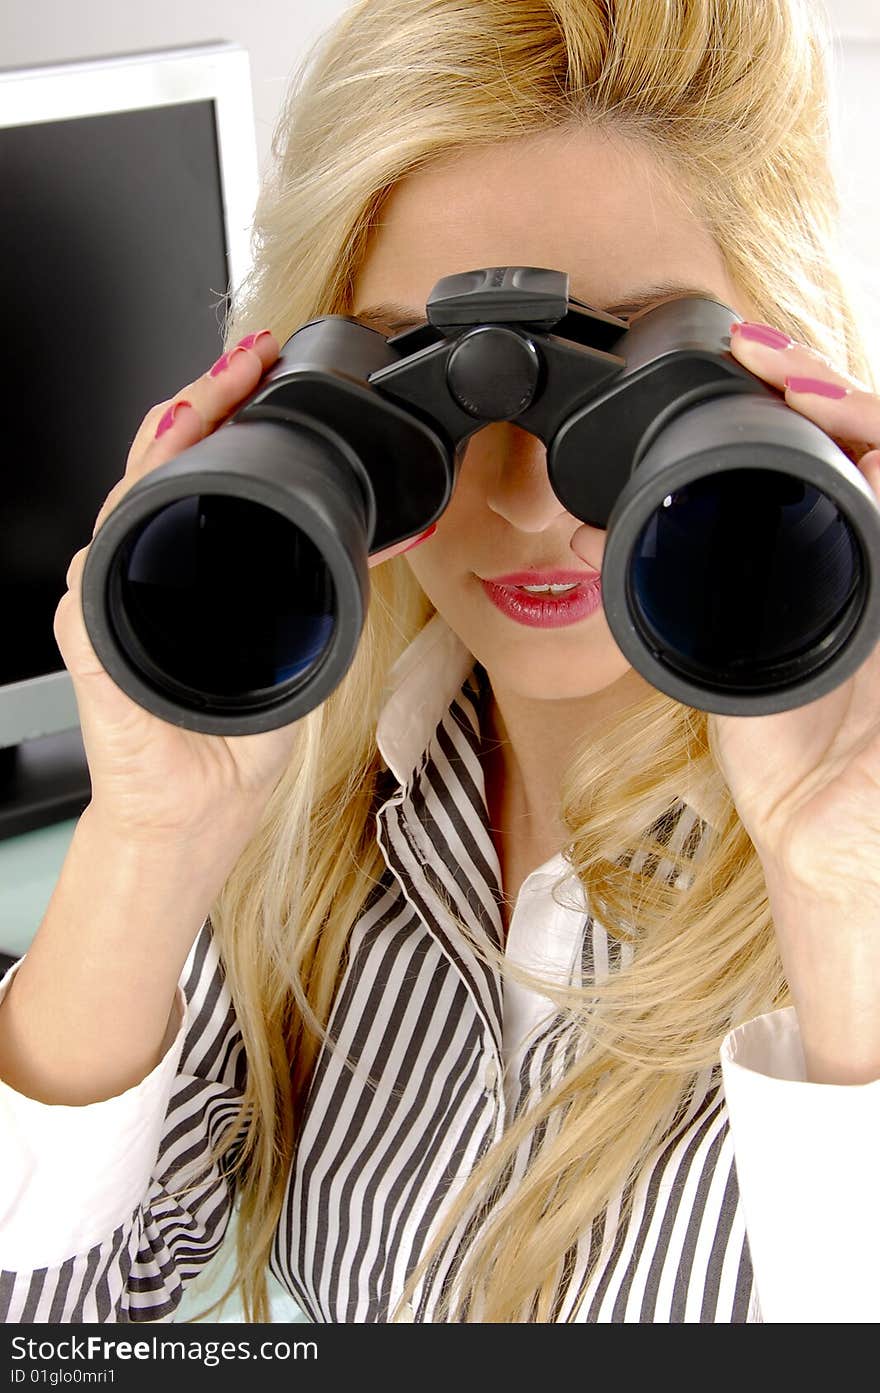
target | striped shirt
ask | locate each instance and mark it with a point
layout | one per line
(445, 1052)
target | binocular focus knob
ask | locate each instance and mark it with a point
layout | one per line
(493, 372)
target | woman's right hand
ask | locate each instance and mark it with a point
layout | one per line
(154, 783)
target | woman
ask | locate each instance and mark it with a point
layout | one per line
(471, 986)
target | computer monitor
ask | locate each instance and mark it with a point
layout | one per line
(129, 186)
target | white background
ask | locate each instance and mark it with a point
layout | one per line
(277, 32)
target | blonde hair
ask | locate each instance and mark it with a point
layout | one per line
(730, 96)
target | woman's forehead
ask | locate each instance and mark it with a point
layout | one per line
(605, 214)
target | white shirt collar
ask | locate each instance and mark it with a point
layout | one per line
(419, 690)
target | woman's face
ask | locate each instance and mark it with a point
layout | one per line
(575, 201)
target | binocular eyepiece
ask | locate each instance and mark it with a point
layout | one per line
(227, 591)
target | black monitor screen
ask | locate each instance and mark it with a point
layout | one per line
(112, 276)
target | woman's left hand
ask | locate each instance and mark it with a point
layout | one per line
(806, 782)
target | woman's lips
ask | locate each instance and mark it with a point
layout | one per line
(545, 611)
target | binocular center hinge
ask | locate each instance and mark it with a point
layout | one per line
(493, 372)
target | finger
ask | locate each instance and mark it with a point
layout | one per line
(74, 570)
(399, 548)
(120, 489)
(172, 426)
(851, 417)
(68, 626)
(213, 396)
(774, 356)
(841, 405)
(870, 467)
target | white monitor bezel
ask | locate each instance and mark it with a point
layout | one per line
(216, 71)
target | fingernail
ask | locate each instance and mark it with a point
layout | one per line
(223, 363)
(423, 538)
(254, 338)
(168, 419)
(761, 333)
(815, 386)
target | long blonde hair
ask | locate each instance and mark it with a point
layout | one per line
(730, 96)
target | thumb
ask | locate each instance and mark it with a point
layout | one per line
(588, 544)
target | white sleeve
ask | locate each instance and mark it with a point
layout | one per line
(54, 1199)
(807, 1158)
(92, 1227)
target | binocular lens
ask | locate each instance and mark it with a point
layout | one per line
(746, 579)
(222, 600)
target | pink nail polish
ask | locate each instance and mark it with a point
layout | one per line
(168, 419)
(252, 339)
(761, 333)
(223, 363)
(423, 538)
(815, 386)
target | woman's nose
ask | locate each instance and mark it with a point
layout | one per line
(518, 486)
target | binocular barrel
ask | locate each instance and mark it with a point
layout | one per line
(228, 590)
(233, 580)
(731, 565)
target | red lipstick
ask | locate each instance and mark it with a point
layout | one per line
(547, 611)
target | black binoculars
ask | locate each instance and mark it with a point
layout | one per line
(227, 591)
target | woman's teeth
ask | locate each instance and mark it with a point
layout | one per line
(548, 589)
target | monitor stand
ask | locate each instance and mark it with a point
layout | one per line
(43, 781)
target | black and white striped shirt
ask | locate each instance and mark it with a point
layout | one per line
(445, 1053)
